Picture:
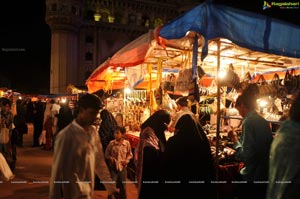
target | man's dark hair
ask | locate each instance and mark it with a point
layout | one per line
(5, 101)
(89, 101)
(294, 111)
(248, 97)
(182, 101)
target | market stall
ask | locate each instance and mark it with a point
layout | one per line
(209, 37)
(250, 47)
(201, 38)
(137, 56)
(141, 66)
(250, 42)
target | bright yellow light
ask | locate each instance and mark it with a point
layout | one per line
(127, 90)
(222, 74)
(63, 100)
(262, 103)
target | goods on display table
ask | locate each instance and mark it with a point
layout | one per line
(132, 105)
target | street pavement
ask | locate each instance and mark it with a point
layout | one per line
(32, 174)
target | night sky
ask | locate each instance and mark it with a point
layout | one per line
(25, 41)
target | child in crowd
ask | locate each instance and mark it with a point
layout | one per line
(118, 153)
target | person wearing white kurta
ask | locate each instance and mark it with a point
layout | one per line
(77, 157)
(5, 171)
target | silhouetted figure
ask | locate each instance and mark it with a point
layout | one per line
(64, 116)
(107, 127)
(20, 129)
(38, 118)
(188, 162)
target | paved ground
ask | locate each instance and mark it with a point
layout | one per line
(32, 174)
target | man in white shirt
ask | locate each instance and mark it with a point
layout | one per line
(182, 106)
(78, 155)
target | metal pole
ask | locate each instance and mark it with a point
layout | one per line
(218, 110)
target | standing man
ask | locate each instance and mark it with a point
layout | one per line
(253, 147)
(182, 107)
(78, 155)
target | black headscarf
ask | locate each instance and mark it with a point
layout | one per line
(158, 122)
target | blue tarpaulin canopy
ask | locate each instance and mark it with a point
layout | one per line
(246, 29)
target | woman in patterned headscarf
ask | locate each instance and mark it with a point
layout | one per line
(148, 154)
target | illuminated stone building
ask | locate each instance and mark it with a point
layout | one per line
(84, 33)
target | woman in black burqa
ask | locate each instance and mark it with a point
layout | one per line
(107, 127)
(148, 155)
(188, 166)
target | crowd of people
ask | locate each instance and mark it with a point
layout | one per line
(90, 146)
(47, 118)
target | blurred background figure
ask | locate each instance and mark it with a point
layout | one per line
(107, 127)
(64, 117)
(284, 179)
(38, 121)
(8, 150)
(54, 112)
(5, 171)
(119, 119)
(21, 127)
(48, 125)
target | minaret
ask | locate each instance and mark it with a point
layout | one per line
(64, 18)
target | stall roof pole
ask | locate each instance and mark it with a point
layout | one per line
(218, 110)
